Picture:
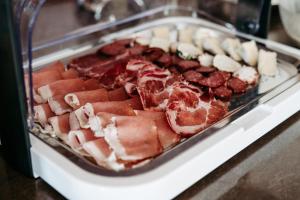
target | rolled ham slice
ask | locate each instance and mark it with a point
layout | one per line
(70, 74)
(61, 87)
(78, 99)
(43, 78)
(119, 94)
(102, 154)
(77, 138)
(73, 121)
(56, 66)
(42, 113)
(91, 84)
(60, 125)
(166, 135)
(90, 109)
(58, 105)
(132, 138)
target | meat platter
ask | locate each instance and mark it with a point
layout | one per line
(144, 94)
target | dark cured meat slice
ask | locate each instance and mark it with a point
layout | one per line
(153, 54)
(215, 79)
(165, 60)
(226, 75)
(188, 64)
(192, 76)
(204, 69)
(237, 85)
(116, 48)
(83, 64)
(222, 92)
(188, 113)
(173, 70)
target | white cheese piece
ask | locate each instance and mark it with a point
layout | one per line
(267, 63)
(249, 52)
(143, 37)
(173, 35)
(164, 44)
(173, 47)
(247, 74)
(232, 47)
(161, 32)
(212, 45)
(187, 51)
(206, 60)
(186, 34)
(225, 63)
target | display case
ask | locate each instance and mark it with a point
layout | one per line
(76, 172)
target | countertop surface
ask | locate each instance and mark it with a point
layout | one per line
(267, 169)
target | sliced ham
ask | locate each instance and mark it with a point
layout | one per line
(90, 109)
(56, 66)
(132, 138)
(58, 105)
(61, 87)
(42, 113)
(73, 121)
(118, 94)
(43, 78)
(91, 84)
(78, 99)
(135, 103)
(70, 74)
(60, 125)
(102, 154)
(166, 135)
(76, 138)
(189, 111)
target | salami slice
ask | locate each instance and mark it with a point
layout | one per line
(215, 79)
(222, 92)
(237, 85)
(188, 64)
(192, 76)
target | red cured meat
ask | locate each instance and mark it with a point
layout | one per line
(165, 60)
(90, 109)
(153, 53)
(77, 138)
(188, 113)
(41, 113)
(204, 69)
(102, 154)
(116, 48)
(166, 135)
(237, 85)
(132, 138)
(43, 78)
(117, 94)
(60, 125)
(91, 84)
(226, 75)
(78, 99)
(58, 105)
(188, 64)
(215, 79)
(84, 64)
(130, 89)
(61, 87)
(135, 103)
(56, 66)
(69, 74)
(222, 92)
(192, 76)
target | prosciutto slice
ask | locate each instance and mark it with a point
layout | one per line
(132, 138)
(60, 125)
(103, 154)
(118, 94)
(76, 138)
(189, 111)
(73, 121)
(90, 109)
(43, 78)
(56, 66)
(58, 105)
(78, 99)
(166, 135)
(70, 74)
(91, 84)
(61, 87)
(41, 113)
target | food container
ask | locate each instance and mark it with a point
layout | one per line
(250, 115)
